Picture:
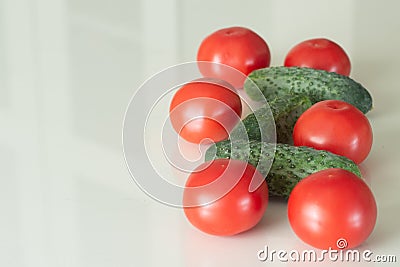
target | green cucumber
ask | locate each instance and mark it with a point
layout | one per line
(290, 164)
(317, 84)
(285, 111)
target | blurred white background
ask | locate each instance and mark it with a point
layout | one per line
(68, 69)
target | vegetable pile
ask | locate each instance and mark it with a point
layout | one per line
(322, 135)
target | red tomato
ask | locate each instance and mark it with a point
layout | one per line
(237, 47)
(205, 109)
(332, 208)
(320, 54)
(217, 199)
(335, 126)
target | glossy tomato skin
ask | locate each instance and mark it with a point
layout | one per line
(205, 109)
(237, 47)
(335, 126)
(233, 211)
(319, 53)
(330, 205)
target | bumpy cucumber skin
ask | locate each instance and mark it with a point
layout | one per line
(290, 164)
(285, 111)
(317, 84)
